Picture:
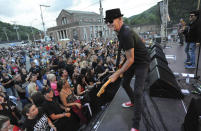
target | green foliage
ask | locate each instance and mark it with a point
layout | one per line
(180, 9)
(126, 20)
(11, 32)
(150, 16)
(177, 9)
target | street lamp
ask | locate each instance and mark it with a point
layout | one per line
(16, 28)
(32, 30)
(4, 30)
(42, 17)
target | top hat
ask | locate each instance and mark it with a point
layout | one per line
(112, 14)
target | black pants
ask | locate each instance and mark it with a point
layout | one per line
(191, 118)
(181, 38)
(140, 72)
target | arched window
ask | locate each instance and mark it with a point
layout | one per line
(64, 21)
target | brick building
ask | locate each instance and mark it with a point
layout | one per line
(79, 25)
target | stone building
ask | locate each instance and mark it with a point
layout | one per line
(79, 25)
(147, 28)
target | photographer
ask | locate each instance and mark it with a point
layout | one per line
(8, 83)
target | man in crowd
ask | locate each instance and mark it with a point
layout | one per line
(191, 34)
(137, 63)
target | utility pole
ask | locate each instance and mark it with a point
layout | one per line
(43, 24)
(16, 28)
(28, 36)
(101, 17)
(33, 31)
(4, 30)
(198, 7)
(164, 19)
(33, 34)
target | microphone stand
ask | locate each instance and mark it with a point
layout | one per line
(198, 59)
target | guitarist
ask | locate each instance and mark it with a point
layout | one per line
(137, 62)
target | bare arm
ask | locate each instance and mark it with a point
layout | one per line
(129, 61)
(126, 65)
(58, 116)
(63, 100)
(51, 124)
(79, 90)
(102, 74)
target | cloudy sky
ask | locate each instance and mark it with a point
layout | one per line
(27, 12)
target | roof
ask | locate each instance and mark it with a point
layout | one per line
(81, 12)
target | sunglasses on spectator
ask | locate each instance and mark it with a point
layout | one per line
(192, 15)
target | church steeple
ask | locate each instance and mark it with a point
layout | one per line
(101, 11)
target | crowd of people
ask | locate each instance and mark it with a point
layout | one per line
(58, 92)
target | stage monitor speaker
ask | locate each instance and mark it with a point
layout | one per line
(158, 62)
(162, 84)
(157, 46)
(157, 49)
(157, 39)
(158, 54)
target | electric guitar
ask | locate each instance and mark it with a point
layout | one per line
(102, 89)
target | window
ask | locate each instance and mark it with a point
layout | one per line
(64, 21)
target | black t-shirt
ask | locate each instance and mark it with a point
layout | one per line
(100, 69)
(40, 123)
(55, 62)
(64, 123)
(94, 64)
(7, 111)
(22, 95)
(5, 80)
(70, 69)
(35, 70)
(61, 65)
(52, 107)
(129, 39)
(23, 76)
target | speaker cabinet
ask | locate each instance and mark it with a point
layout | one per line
(162, 84)
(157, 46)
(158, 62)
(159, 50)
(157, 39)
(156, 53)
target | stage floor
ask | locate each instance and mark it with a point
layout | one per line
(159, 114)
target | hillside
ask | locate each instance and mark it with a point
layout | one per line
(11, 32)
(150, 16)
(177, 9)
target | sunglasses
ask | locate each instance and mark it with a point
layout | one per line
(192, 15)
(109, 21)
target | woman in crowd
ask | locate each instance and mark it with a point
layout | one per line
(81, 84)
(69, 99)
(53, 85)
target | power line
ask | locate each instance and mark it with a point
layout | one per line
(97, 2)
